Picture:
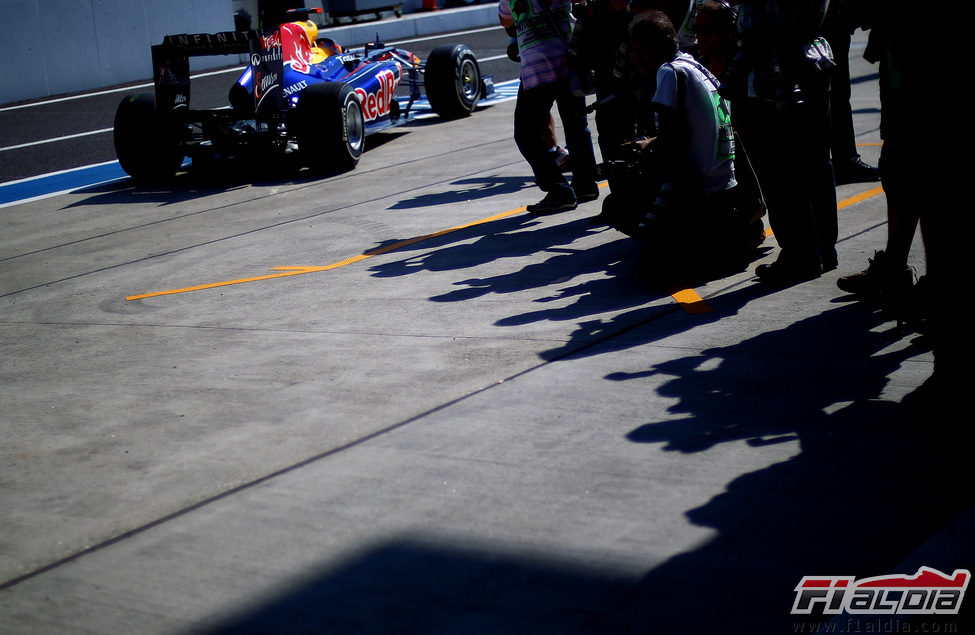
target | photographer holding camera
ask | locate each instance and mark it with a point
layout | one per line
(690, 162)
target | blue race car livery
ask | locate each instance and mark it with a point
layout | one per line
(301, 96)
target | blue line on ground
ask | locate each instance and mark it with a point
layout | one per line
(48, 184)
(78, 178)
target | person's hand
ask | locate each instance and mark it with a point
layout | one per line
(640, 143)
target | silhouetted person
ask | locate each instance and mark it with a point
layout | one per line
(848, 167)
(543, 29)
(780, 92)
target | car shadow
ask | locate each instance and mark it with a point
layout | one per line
(207, 178)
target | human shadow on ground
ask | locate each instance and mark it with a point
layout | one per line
(468, 190)
(630, 298)
(579, 281)
(512, 237)
(874, 479)
(588, 283)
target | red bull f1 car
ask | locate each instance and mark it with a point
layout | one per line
(300, 96)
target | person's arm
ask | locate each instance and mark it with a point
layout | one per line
(666, 103)
(504, 15)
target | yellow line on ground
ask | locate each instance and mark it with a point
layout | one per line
(689, 300)
(297, 271)
(860, 197)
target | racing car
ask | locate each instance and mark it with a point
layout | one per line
(300, 96)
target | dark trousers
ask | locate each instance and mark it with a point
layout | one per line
(789, 148)
(531, 118)
(842, 134)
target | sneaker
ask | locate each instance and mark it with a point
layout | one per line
(780, 274)
(855, 171)
(882, 278)
(558, 200)
(561, 157)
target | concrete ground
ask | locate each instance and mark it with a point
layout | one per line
(392, 402)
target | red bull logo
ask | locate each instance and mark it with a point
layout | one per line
(297, 48)
(377, 104)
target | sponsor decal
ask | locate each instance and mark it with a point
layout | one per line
(294, 88)
(272, 55)
(266, 68)
(297, 48)
(204, 43)
(928, 592)
(264, 83)
(377, 104)
(271, 40)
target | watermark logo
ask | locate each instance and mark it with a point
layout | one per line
(928, 592)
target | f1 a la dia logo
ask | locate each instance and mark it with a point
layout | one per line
(927, 592)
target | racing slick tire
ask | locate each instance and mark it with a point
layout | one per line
(331, 127)
(146, 141)
(452, 81)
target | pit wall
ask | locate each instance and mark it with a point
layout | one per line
(51, 47)
(55, 47)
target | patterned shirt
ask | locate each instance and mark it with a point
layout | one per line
(541, 47)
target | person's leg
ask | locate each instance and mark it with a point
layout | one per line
(819, 169)
(780, 167)
(888, 276)
(532, 114)
(847, 164)
(572, 111)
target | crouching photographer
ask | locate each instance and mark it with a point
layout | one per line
(677, 191)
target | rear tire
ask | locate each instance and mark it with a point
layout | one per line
(147, 143)
(331, 127)
(452, 80)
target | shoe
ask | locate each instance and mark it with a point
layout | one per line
(558, 200)
(561, 157)
(881, 279)
(855, 171)
(780, 274)
(651, 225)
(585, 194)
(913, 306)
(830, 261)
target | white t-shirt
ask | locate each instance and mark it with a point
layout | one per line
(710, 151)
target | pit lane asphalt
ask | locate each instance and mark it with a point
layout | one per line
(497, 428)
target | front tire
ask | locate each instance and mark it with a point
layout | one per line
(147, 143)
(331, 127)
(452, 80)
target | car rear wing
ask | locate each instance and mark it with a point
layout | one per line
(171, 64)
